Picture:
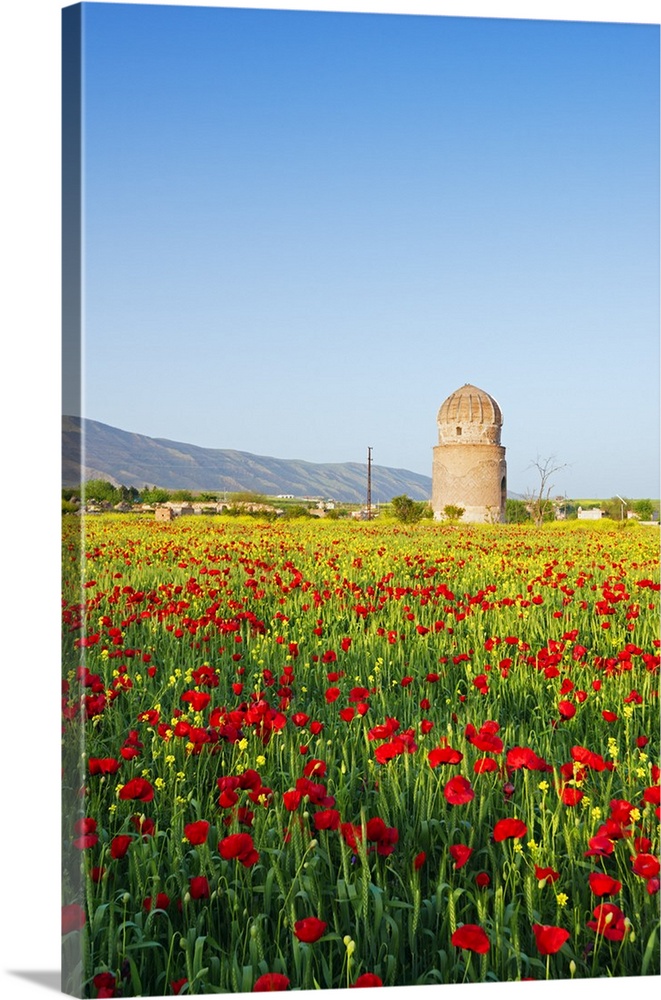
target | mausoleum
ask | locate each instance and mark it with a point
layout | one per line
(469, 468)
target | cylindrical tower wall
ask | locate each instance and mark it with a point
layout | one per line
(471, 476)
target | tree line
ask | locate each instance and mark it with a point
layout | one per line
(403, 508)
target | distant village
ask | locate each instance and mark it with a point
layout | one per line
(100, 496)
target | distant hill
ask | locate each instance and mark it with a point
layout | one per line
(136, 460)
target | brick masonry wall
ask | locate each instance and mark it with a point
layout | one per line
(470, 476)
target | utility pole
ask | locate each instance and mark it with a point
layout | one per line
(622, 505)
(369, 484)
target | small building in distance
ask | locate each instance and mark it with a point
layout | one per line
(591, 514)
(469, 468)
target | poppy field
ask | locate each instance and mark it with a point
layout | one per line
(328, 754)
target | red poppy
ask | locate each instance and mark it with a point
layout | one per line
(609, 717)
(351, 833)
(458, 791)
(571, 796)
(471, 937)
(292, 799)
(589, 758)
(387, 751)
(652, 794)
(387, 841)
(271, 982)
(137, 788)
(546, 875)
(460, 853)
(144, 825)
(603, 885)
(509, 828)
(326, 819)
(196, 833)
(119, 845)
(105, 984)
(261, 796)
(347, 714)
(645, 865)
(239, 846)
(85, 841)
(314, 767)
(567, 709)
(198, 700)
(419, 860)
(444, 755)
(161, 902)
(621, 811)
(310, 929)
(482, 880)
(199, 887)
(600, 846)
(85, 825)
(384, 730)
(375, 828)
(486, 742)
(484, 765)
(228, 798)
(316, 792)
(103, 765)
(368, 979)
(609, 921)
(178, 985)
(73, 918)
(549, 939)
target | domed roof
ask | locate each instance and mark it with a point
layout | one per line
(470, 405)
(469, 416)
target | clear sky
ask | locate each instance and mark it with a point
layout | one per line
(303, 230)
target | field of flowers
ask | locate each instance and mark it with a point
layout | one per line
(350, 754)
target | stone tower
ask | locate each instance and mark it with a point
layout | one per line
(469, 467)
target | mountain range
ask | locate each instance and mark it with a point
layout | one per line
(128, 459)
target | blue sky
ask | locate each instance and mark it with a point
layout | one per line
(303, 230)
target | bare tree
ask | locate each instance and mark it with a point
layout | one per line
(538, 500)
